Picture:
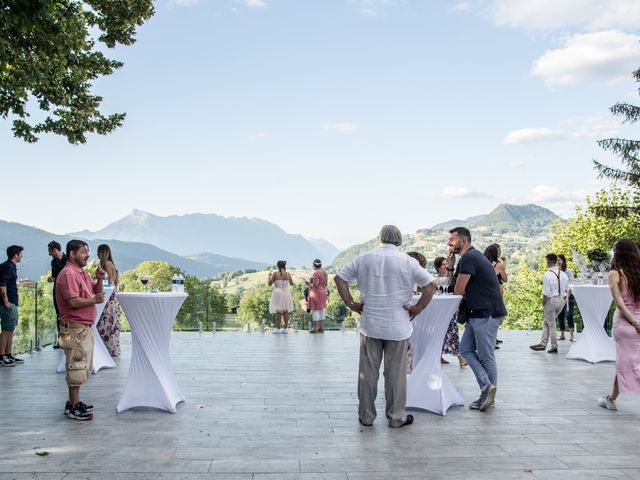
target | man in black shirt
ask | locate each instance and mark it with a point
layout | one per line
(476, 279)
(58, 261)
(9, 305)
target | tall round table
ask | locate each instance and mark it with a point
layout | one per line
(593, 344)
(101, 357)
(428, 388)
(151, 382)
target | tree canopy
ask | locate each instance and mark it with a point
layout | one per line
(50, 52)
(628, 151)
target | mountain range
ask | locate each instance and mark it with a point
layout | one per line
(253, 239)
(229, 244)
(520, 229)
(36, 261)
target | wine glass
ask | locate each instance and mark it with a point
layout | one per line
(439, 284)
(445, 282)
(145, 282)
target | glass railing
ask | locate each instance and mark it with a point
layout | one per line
(36, 317)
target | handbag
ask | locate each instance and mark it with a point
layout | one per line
(463, 312)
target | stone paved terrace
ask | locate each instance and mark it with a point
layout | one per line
(264, 406)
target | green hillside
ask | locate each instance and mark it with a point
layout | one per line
(520, 229)
(245, 281)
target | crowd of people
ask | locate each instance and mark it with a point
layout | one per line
(387, 281)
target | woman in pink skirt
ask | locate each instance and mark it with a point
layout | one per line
(318, 296)
(624, 282)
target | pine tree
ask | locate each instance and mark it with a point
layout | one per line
(628, 151)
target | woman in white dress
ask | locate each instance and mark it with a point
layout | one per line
(281, 301)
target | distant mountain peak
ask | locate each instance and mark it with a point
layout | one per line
(139, 216)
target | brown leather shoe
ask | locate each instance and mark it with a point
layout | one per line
(538, 347)
(553, 350)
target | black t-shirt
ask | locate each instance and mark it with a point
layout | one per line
(482, 294)
(58, 265)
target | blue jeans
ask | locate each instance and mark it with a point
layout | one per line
(478, 348)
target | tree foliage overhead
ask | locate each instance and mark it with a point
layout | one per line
(49, 56)
(628, 151)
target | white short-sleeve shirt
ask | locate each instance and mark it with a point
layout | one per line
(385, 277)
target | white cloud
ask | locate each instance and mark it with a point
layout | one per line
(340, 127)
(464, 192)
(532, 135)
(597, 126)
(184, 3)
(563, 199)
(517, 164)
(463, 6)
(250, 4)
(607, 57)
(560, 14)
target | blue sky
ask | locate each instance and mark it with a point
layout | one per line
(333, 117)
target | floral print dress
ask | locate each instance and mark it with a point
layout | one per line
(109, 326)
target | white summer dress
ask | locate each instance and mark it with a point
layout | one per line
(281, 300)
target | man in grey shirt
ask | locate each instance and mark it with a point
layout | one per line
(385, 277)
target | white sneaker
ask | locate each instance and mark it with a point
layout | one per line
(275, 330)
(607, 403)
(285, 330)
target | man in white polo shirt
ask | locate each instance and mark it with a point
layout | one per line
(385, 277)
(555, 284)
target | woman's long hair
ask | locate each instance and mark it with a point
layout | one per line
(419, 257)
(626, 261)
(564, 262)
(104, 254)
(491, 252)
(437, 263)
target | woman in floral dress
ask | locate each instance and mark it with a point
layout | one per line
(109, 323)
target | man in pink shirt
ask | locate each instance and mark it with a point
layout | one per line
(77, 295)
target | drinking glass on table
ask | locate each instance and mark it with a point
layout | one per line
(145, 282)
(445, 282)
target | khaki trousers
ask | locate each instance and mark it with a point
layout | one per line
(395, 379)
(551, 311)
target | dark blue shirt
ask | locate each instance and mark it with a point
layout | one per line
(482, 294)
(9, 279)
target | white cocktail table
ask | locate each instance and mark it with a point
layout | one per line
(101, 357)
(428, 388)
(151, 381)
(593, 344)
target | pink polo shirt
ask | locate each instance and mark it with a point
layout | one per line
(74, 282)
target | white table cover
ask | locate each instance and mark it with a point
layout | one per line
(428, 388)
(151, 381)
(593, 344)
(101, 356)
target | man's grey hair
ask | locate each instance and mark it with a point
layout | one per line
(391, 234)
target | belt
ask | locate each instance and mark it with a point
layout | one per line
(73, 325)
